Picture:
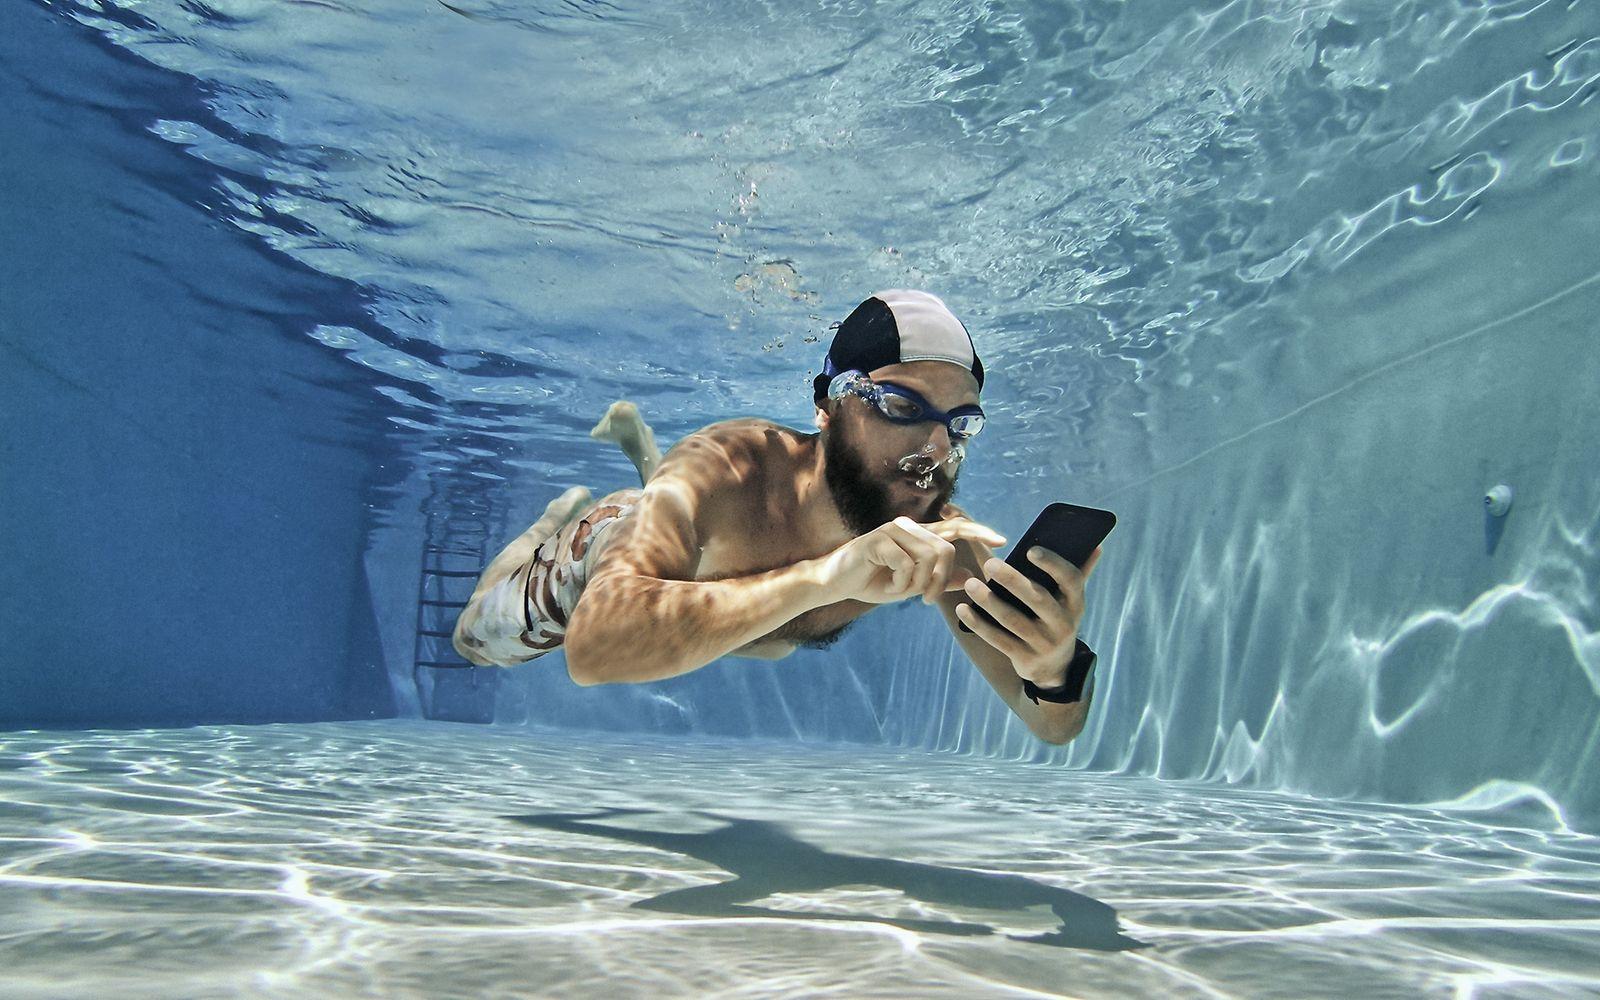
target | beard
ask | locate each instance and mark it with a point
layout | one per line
(864, 499)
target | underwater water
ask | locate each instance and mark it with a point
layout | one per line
(404, 859)
(306, 308)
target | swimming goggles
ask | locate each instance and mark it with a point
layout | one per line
(904, 406)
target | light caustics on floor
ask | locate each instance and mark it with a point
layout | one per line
(415, 859)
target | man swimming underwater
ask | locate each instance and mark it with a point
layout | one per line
(750, 538)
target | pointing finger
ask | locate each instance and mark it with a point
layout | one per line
(960, 527)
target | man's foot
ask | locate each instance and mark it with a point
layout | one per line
(623, 425)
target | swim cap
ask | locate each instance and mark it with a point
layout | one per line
(894, 327)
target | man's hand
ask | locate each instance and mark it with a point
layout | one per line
(1039, 648)
(904, 559)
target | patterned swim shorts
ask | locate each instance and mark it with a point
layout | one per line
(525, 615)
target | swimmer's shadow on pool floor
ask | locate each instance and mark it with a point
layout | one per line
(764, 859)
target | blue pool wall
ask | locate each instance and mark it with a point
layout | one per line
(183, 476)
(1324, 603)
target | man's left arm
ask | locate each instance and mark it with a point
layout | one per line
(1038, 649)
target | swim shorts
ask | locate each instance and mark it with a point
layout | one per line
(525, 615)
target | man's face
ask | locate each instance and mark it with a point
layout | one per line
(863, 450)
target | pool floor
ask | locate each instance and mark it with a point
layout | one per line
(399, 859)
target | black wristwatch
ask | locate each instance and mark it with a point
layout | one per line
(1070, 690)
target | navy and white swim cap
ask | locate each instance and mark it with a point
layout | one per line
(896, 326)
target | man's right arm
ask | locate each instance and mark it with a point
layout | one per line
(643, 616)
(633, 628)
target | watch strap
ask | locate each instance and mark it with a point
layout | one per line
(1069, 690)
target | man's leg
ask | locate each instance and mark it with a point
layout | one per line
(513, 558)
(623, 425)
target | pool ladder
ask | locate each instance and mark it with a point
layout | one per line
(453, 555)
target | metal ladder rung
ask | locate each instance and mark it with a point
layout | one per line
(454, 551)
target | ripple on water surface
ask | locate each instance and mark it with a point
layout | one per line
(408, 859)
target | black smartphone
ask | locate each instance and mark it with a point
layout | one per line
(1068, 530)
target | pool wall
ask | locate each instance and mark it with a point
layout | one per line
(183, 476)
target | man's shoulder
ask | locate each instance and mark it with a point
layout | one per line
(752, 438)
(733, 454)
(752, 428)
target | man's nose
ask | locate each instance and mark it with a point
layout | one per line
(940, 438)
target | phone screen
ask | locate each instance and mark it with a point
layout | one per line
(1065, 529)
